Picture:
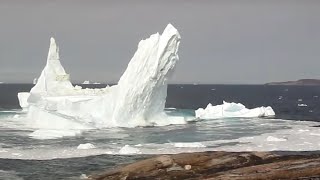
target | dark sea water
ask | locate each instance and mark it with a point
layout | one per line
(285, 101)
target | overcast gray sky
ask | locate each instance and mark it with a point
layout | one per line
(223, 41)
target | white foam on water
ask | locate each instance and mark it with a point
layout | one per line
(9, 175)
(127, 149)
(271, 138)
(53, 133)
(286, 136)
(189, 144)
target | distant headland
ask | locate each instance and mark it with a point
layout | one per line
(300, 82)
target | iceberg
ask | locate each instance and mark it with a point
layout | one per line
(137, 100)
(86, 82)
(230, 110)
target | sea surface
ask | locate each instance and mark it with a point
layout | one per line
(294, 128)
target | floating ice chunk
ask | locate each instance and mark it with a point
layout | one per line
(86, 82)
(302, 105)
(127, 149)
(229, 110)
(86, 146)
(189, 145)
(23, 100)
(272, 138)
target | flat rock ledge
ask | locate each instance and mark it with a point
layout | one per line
(219, 165)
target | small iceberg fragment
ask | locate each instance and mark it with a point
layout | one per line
(230, 110)
(86, 82)
(86, 146)
(23, 100)
(302, 105)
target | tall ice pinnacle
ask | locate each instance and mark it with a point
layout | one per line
(53, 77)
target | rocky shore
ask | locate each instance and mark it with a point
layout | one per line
(219, 165)
(300, 82)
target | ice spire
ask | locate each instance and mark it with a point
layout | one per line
(53, 51)
(53, 78)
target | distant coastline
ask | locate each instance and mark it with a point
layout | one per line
(300, 82)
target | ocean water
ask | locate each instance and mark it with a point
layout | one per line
(294, 128)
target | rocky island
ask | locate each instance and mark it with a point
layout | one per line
(220, 165)
(300, 82)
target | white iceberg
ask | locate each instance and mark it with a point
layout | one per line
(137, 100)
(86, 82)
(230, 110)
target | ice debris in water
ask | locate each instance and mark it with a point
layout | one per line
(229, 110)
(127, 149)
(86, 146)
(83, 176)
(137, 100)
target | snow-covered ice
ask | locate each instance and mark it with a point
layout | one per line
(230, 110)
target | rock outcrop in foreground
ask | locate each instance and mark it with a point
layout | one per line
(219, 165)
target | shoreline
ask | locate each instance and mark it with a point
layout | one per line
(220, 165)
